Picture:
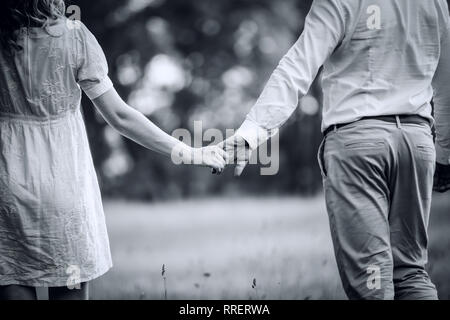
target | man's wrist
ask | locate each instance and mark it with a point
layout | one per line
(253, 134)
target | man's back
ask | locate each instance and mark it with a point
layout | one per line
(379, 57)
(386, 60)
(383, 60)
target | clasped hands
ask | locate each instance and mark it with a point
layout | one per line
(233, 150)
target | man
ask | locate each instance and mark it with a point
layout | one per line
(382, 59)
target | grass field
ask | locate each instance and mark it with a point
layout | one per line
(213, 249)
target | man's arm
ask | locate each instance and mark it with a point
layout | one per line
(324, 30)
(441, 83)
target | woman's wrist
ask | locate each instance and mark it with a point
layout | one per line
(182, 154)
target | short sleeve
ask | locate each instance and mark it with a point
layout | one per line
(92, 73)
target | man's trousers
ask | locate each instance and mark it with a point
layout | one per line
(378, 179)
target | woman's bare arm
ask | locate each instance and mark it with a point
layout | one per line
(134, 125)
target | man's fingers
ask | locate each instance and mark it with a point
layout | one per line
(442, 188)
(441, 184)
(232, 150)
(240, 166)
(243, 157)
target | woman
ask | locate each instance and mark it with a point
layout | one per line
(52, 226)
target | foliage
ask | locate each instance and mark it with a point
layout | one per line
(182, 61)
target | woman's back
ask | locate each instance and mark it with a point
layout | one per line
(49, 194)
(52, 226)
(41, 80)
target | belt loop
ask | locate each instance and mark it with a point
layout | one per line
(335, 129)
(399, 124)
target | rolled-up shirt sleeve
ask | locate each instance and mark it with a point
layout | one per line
(324, 30)
(441, 83)
(92, 74)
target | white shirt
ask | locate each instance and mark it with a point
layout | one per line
(379, 57)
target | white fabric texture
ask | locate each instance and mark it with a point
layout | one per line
(52, 226)
(379, 58)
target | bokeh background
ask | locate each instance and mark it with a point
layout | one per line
(257, 237)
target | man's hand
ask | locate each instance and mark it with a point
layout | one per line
(442, 178)
(238, 151)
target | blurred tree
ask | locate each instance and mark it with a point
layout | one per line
(179, 61)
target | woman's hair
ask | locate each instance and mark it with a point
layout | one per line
(15, 14)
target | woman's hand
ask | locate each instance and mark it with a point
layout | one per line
(212, 156)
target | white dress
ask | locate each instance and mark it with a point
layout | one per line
(52, 226)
